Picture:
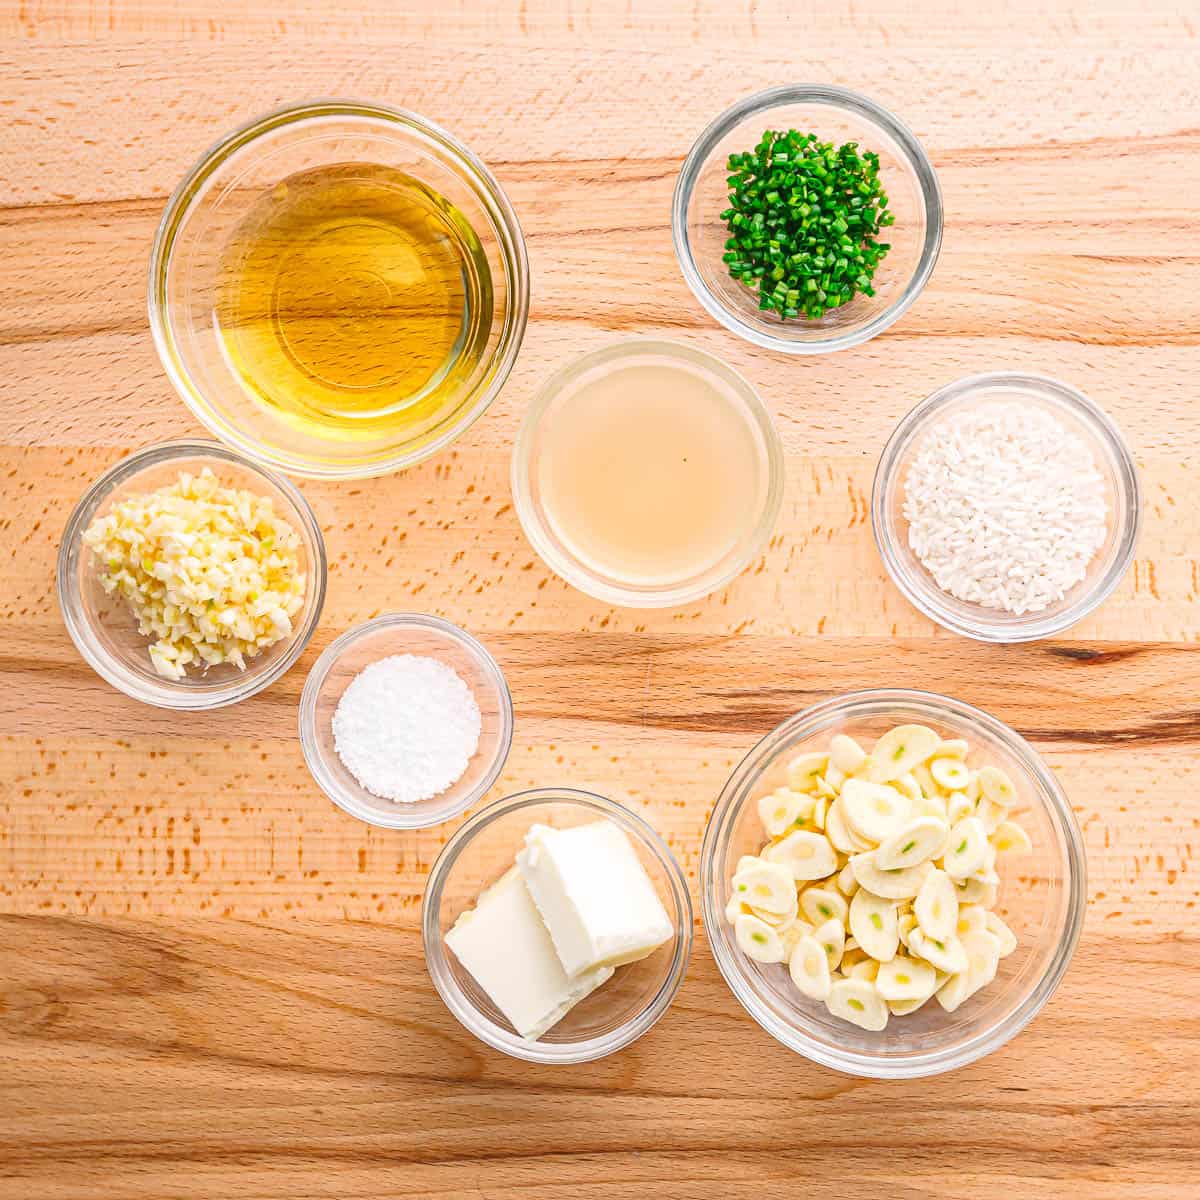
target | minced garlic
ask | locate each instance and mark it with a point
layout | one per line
(212, 573)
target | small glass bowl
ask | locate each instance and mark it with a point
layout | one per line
(615, 1014)
(538, 521)
(1042, 894)
(835, 115)
(1113, 460)
(103, 627)
(404, 633)
(216, 195)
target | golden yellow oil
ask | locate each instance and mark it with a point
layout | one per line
(355, 301)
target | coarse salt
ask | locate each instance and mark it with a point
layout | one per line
(407, 727)
(1005, 507)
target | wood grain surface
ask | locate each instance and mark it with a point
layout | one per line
(211, 982)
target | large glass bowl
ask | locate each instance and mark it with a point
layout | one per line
(1122, 494)
(203, 216)
(103, 626)
(835, 115)
(1042, 895)
(616, 1013)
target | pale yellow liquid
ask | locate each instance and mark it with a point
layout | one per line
(354, 302)
(651, 474)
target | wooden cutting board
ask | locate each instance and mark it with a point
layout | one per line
(211, 982)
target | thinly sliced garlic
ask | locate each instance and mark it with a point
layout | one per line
(873, 923)
(873, 811)
(807, 855)
(899, 750)
(803, 770)
(783, 810)
(809, 968)
(757, 939)
(859, 1002)
(821, 904)
(916, 841)
(936, 906)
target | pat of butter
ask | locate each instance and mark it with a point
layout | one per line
(505, 947)
(594, 895)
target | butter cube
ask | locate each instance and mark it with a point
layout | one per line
(505, 947)
(594, 895)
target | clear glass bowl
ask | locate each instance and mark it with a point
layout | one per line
(833, 114)
(214, 198)
(1042, 895)
(1113, 460)
(615, 1014)
(538, 521)
(404, 633)
(103, 627)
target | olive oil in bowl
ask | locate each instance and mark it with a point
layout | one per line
(355, 302)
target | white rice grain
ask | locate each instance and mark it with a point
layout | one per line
(1005, 507)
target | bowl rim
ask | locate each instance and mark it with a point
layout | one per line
(934, 1062)
(533, 523)
(835, 97)
(306, 718)
(110, 669)
(189, 189)
(487, 1031)
(924, 595)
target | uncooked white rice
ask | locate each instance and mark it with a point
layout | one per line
(1005, 507)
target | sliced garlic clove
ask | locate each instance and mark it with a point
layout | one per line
(947, 954)
(757, 940)
(966, 851)
(807, 855)
(899, 750)
(891, 885)
(1011, 838)
(832, 939)
(819, 813)
(846, 754)
(780, 922)
(803, 770)
(857, 1001)
(953, 992)
(975, 891)
(783, 810)
(936, 906)
(915, 842)
(872, 811)
(997, 787)
(767, 885)
(1006, 940)
(983, 959)
(931, 806)
(950, 773)
(971, 919)
(958, 806)
(905, 924)
(867, 969)
(792, 935)
(874, 924)
(846, 883)
(839, 833)
(905, 978)
(809, 968)
(953, 748)
(909, 785)
(819, 904)
(901, 1008)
